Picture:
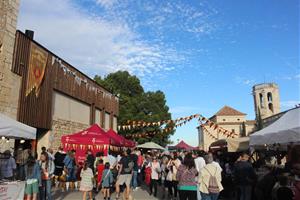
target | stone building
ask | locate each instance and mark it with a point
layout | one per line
(9, 82)
(55, 97)
(230, 119)
(266, 100)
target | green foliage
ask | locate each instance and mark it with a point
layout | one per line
(136, 104)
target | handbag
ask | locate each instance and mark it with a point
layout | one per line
(105, 178)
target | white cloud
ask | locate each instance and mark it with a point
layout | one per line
(289, 104)
(91, 42)
(244, 81)
(108, 4)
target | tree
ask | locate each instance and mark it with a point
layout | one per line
(136, 104)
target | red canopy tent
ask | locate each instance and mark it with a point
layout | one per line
(93, 138)
(120, 139)
(111, 133)
(185, 146)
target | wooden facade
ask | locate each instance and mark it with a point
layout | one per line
(59, 76)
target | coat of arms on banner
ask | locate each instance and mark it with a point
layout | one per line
(36, 70)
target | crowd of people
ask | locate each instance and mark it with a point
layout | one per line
(172, 175)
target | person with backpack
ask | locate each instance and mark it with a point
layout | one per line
(125, 174)
(210, 180)
(107, 181)
(69, 168)
(186, 176)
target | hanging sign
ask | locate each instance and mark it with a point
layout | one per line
(36, 70)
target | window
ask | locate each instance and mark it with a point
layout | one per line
(270, 98)
(107, 121)
(271, 107)
(261, 100)
(224, 120)
(238, 119)
(98, 117)
(115, 123)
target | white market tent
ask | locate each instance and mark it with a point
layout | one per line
(283, 131)
(13, 129)
(150, 145)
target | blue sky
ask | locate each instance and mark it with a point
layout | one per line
(202, 54)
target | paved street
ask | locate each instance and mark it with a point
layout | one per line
(140, 194)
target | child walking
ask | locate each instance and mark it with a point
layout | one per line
(86, 184)
(107, 180)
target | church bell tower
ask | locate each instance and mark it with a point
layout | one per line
(266, 100)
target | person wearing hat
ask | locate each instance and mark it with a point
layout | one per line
(8, 166)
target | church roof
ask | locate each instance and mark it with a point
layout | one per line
(226, 110)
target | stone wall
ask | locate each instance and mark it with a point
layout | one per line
(9, 82)
(62, 127)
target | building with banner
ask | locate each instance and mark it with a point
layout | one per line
(55, 97)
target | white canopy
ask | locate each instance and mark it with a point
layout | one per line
(283, 131)
(150, 145)
(13, 129)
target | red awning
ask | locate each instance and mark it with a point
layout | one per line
(185, 146)
(94, 135)
(123, 142)
(119, 139)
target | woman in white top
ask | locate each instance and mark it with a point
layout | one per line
(210, 180)
(86, 184)
(155, 175)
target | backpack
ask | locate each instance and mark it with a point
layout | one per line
(213, 186)
(129, 167)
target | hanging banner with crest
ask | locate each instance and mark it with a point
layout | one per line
(36, 70)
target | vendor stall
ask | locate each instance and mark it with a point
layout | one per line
(123, 142)
(283, 131)
(12, 129)
(231, 144)
(182, 146)
(150, 145)
(93, 138)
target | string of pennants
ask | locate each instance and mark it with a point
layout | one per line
(79, 80)
(165, 130)
(183, 120)
(208, 133)
(98, 147)
(133, 124)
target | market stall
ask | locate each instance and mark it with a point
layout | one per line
(150, 145)
(123, 142)
(183, 146)
(93, 138)
(284, 131)
(231, 144)
(120, 140)
(12, 129)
